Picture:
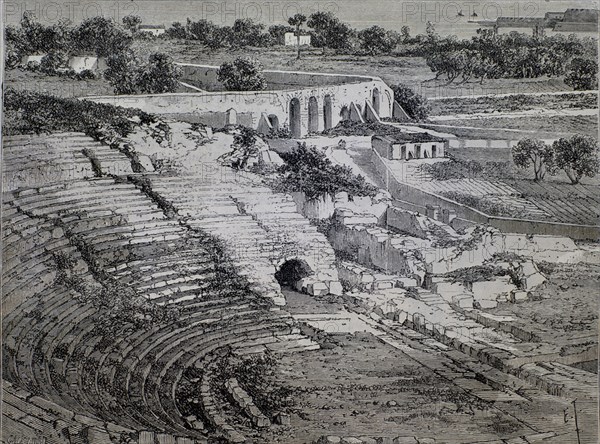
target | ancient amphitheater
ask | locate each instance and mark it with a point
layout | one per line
(137, 271)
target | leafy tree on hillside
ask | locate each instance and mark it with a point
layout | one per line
(160, 75)
(534, 152)
(583, 74)
(329, 31)
(101, 36)
(376, 40)
(176, 31)
(576, 156)
(297, 20)
(414, 104)
(209, 34)
(245, 32)
(132, 22)
(122, 72)
(242, 74)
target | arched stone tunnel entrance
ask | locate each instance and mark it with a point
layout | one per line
(291, 271)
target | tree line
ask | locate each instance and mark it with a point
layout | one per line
(491, 56)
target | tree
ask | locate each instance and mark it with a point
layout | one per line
(583, 74)
(415, 105)
(534, 152)
(122, 72)
(242, 75)
(159, 76)
(132, 22)
(54, 60)
(247, 33)
(376, 40)
(298, 20)
(176, 31)
(329, 31)
(101, 36)
(576, 156)
(405, 32)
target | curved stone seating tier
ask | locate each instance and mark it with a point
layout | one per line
(126, 375)
(44, 159)
(260, 229)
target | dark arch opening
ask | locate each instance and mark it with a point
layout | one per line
(376, 100)
(274, 121)
(295, 128)
(345, 112)
(313, 115)
(327, 112)
(292, 271)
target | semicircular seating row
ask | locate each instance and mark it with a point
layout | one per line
(57, 342)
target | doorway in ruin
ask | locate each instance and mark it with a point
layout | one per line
(327, 112)
(313, 115)
(376, 100)
(295, 124)
(274, 121)
(433, 151)
(291, 271)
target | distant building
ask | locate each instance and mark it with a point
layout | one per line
(92, 63)
(33, 58)
(291, 39)
(155, 30)
(408, 146)
(524, 25)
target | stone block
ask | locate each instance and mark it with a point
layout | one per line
(407, 282)
(282, 419)
(317, 289)
(518, 296)
(463, 300)
(335, 288)
(405, 440)
(331, 439)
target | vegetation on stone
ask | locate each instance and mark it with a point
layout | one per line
(243, 74)
(308, 170)
(28, 112)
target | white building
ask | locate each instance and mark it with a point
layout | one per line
(92, 63)
(291, 39)
(155, 30)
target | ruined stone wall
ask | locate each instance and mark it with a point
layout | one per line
(465, 214)
(325, 98)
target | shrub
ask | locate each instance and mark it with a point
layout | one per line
(30, 112)
(577, 156)
(583, 74)
(308, 170)
(242, 75)
(414, 104)
(52, 61)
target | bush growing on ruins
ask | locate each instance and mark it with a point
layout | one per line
(29, 112)
(308, 170)
(242, 74)
(414, 104)
(532, 152)
(243, 148)
(577, 156)
(583, 74)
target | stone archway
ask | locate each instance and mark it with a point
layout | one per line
(327, 112)
(313, 115)
(376, 100)
(294, 117)
(291, 271)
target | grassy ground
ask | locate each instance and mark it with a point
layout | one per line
(57, 86)
(516, 128)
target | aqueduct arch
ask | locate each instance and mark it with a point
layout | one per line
(292, 270)
(313, 115)
(294, 116)
(327, 112)
(376, 100)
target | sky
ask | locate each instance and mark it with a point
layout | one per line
(391, 14)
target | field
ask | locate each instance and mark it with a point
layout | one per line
(515, 128)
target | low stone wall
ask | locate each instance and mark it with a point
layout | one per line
(463, 213)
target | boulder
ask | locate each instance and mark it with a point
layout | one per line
(335, 288)
(317, 289)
